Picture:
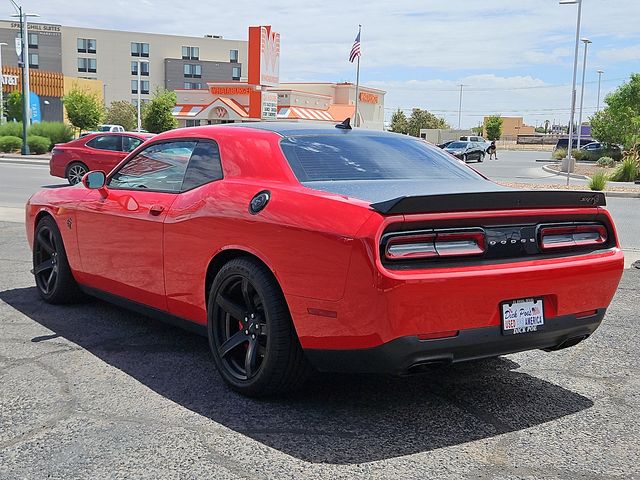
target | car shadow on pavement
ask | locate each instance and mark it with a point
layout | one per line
(336, 419)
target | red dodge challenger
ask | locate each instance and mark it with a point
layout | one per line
(294, 246)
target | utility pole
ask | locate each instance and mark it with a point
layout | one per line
(460, 108)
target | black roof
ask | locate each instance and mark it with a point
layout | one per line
(287, 129)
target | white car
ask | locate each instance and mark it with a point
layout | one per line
(477, 139)
(110, 128)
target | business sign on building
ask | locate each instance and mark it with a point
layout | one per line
(9, 80)
(269, 105)
(264, 56)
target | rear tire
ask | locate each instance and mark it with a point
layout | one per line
(54, 280)
(464, 158)
(251, 335)
(481, 157)
(75, 172)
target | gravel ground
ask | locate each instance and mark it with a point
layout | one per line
(93, 391)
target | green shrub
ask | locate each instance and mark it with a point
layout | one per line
(57, 132)
(559, 154)
(13, 129)
(627, 170)
(9, 144)
(580, 155)
(606, 162)
(598, 181)
(38, 144)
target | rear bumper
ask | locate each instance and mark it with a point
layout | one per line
(404, 354)
(57, 166)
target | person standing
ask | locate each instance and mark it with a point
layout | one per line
(493, 150)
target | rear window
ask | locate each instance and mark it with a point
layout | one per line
(368, 157)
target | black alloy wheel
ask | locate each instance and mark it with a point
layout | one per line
(241, 330)
(54, 280)
(251, 334)
(464, 158)
(75, 172)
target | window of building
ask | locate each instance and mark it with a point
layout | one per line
(134, 101)
(34, 60)
(144, 68)
(144, 86)
(192, 123)
(33, 40)
(233, 56)
(139, 49)
(87, 45)
(158, 167)
(89, 65)
(235, 73)
(191, 53)
(192, 85)
(192, 71)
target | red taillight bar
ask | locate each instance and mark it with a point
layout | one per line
(439, 244)
(572, 236)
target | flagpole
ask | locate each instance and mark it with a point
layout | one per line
(356, 119)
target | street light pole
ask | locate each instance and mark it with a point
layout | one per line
(1, 85)
(600, 72)
(567, 163)
(26, 97)
(586, 42)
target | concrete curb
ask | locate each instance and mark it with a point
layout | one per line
(548, 169)
(20, 161)
(546, 160)
(622, 194)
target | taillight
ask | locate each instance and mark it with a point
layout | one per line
(572, 236)
(435, 245)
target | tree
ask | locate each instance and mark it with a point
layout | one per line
(399, 122)
(122, 113)
(493, 127)
(619, 121)
(158, 116)
(479, 130)
(13, 107)
(424, 119)
(84, 109)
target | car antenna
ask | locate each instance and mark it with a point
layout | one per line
(345, 125)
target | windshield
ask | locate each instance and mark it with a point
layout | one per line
(457, 145)
(368, 157)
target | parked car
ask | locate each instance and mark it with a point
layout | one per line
(467, 151)
(95, 151)
(564, 143)
(446, 144)
(111, 128)
(595, 150)
(291, 247)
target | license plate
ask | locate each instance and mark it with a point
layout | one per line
(522, 316)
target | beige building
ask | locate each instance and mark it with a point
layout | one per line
(112, 57)
(512, 127)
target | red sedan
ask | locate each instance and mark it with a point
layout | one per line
(293, 247)
(96, 151)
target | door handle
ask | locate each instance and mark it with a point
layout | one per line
(156, 209)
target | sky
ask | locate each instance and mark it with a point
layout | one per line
(514, 57)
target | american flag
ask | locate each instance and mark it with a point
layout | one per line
(355, 50)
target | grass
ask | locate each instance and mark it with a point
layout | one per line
(598, 181)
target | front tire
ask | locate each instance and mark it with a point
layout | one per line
(481, 157)
(75, 172)
(251, 335)
(54, 280)
(464, 158)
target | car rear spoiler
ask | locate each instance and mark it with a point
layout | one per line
(498, 200)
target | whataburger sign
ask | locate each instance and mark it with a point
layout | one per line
(263, 69)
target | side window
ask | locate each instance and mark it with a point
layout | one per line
(129, 144)
(158, 167)
(204, 166)
(106, 142)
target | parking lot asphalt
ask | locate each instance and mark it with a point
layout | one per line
(94, 391)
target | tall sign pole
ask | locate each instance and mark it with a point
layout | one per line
(357, 119)
(26, 100)
(2, 44)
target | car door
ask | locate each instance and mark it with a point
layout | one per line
(120, 231)
(105, 152)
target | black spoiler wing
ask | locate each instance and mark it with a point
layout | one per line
(496, 200)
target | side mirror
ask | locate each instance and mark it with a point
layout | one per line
(94, 180)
